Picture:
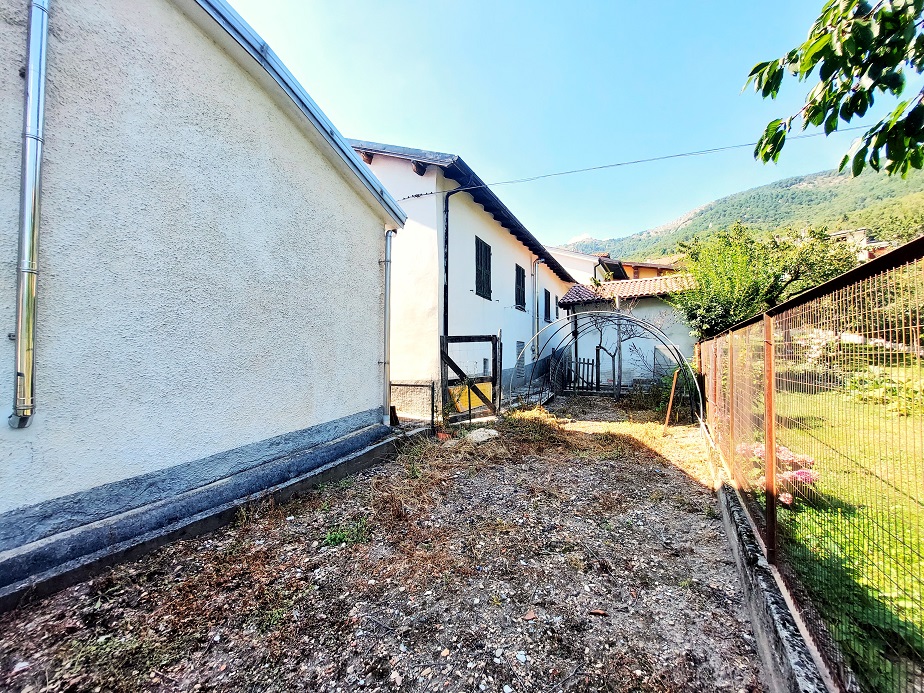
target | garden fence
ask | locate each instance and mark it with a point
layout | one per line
(817, 409)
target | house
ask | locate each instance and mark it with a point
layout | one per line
(464, 267)
(644, 350)
(647, 270)
(859, 239)
(210, 286)
(586, 268)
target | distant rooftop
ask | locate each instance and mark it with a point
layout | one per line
(653, 265)
(626, 288)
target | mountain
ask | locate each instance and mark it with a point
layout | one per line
(892, 208)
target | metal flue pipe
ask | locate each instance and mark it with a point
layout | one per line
(30, 211)
(386, 359)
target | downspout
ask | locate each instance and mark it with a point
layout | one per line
(536, 263)
(30, 210)
(386, 358)
(446, 261)
(444, 369)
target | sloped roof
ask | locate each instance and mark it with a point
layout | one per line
(614, 267)
(626, 288)
(653, 265)
(456, 169)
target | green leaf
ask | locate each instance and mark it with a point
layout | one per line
(813, 54)
(758, 68)
(914, 121)
(859, 161)
(846, 114)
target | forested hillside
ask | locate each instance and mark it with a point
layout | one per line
(890, 207)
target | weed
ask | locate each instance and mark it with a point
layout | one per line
(356, 532)
(711, 512)
(269, 620)
(345, 483)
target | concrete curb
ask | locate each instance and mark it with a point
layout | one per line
(83, 567)
(786, 656)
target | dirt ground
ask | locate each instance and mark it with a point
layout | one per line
(577, 551)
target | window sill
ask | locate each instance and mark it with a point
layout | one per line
(486, 298)
(523, 308)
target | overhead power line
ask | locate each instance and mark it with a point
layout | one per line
(618, 164)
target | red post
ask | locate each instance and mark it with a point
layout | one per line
(715, 383)
(732, 461)
(770, 439)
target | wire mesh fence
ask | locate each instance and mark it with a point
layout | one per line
(415, 402)
(818, 411)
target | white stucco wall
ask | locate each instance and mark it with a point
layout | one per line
(651, 309)
(472, 314)
(580, 266)
(416, 278)
(208, 278)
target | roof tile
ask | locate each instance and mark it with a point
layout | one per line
(626, 288)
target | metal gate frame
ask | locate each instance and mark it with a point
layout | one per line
(461, 378)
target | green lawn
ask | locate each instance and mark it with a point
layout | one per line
(857, 543)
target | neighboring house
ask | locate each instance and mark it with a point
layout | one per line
(866, 248)
(647, 270)
(586, 267)
(464, 265)
(211, 285)
(644, 357)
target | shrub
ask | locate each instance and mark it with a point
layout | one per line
(902, 394)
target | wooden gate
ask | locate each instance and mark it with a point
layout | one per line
(465, 394)
(583, 374)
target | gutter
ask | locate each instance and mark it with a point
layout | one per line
(30, 214)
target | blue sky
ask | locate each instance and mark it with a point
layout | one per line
(525, 88)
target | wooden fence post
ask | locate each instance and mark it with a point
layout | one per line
(770, 439)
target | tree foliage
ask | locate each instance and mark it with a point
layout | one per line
(860, 49)
(738, 275)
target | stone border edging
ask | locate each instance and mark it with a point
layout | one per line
(786, 656)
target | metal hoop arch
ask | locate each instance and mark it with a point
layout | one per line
(554, 329)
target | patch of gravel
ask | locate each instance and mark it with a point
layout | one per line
(563, 555)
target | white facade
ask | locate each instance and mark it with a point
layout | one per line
(644, 356)
(417, 278)
(210, 286)
(583, 267)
